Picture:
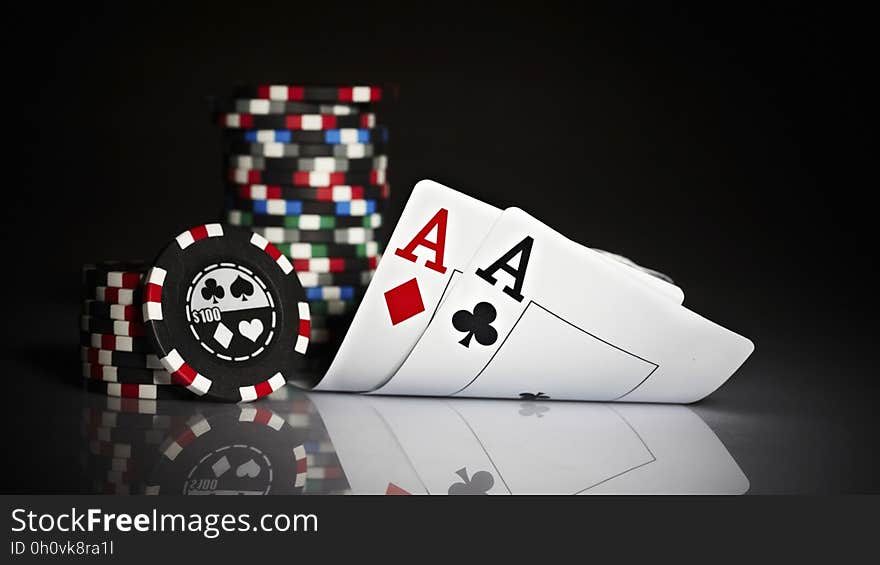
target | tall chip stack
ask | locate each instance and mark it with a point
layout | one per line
(306, 169)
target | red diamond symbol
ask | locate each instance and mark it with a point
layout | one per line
(404, 301)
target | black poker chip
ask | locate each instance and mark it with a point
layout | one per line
(106, 310)
(297, 150)
(351, 236)
(133, 390)
(344, 278)
(348, 94)
(268, 107)
(121, 274)
(321, 194)
(226, 313)
(97, 356)
(116, 342)
(125, 375)
(246, 218)
(306, 178)
(313, 164)
(246, 450)
(307, 122)
(93, 324)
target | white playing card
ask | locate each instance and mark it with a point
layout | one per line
(437, 234)
(537, 313)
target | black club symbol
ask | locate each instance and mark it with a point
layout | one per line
(533, 396)
(213, 291)
(478, 324)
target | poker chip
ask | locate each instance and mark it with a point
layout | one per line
(277, 207)
(340, 136)
(313, 164)
(262, 106)
(327, 250)
(297, 150)
(347, 292)
(335, 264)
(114, 274)
(341, 235)
(116, 342)
(115, 295)
(119, 358)
(342, 193)
(347, 94)
(126, 375)
(306, 122)
(305, 178)
(303, 222)
(132, 390)
(247, 450)
(327, 321)
(92, 324)
(226, 312)
(107, 310)
(331, 307)
(335, 279)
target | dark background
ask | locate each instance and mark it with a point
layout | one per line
(726, 148)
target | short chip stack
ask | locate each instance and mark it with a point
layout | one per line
(117, 356)
(306, 169)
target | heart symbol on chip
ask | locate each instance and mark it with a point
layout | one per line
(250, 469)
(252, 329)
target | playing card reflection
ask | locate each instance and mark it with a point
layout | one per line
(396, 445)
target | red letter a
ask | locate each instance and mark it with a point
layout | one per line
(421, 239)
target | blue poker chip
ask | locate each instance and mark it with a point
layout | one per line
(330, 136)
(334, 292)
(289, 207)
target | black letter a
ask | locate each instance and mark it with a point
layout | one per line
(518, 274)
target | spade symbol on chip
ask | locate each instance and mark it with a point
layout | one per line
(213, 291)
(241, 288)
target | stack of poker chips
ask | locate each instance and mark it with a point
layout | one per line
(118, 358)
(306, 169)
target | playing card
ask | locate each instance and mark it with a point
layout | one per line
(437, 234)
(537, 314)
